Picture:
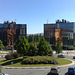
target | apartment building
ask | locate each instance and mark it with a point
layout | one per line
(63, 30)
(11, 30)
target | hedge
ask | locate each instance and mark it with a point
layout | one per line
(39, 60)
(71, 48)
(8, 56)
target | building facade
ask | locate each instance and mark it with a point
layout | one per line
(66, 31)
(11, 30)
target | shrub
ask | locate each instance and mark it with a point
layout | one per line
(15, 55)
(71, 48)
(39, 60)
(8, 56)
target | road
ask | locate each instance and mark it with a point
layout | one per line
(2, 58)
(63, 70)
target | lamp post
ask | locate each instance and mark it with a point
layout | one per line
(12, 47)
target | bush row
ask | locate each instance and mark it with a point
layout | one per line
(39, 60)
(12, 55)
(71, 48)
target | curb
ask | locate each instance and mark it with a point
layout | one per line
(43, 67)
(38, 67)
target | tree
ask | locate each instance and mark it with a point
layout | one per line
(32, 49)
(17, 41)
(43, 47)
(1, 45)
(23, 46)
(30, 38)
(58, 48)
(51, 51)
(34, 38)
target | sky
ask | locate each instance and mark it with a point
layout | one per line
(36, 13)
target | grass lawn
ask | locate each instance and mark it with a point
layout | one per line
(17, 62)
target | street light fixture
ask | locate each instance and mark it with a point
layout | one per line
(12, 47)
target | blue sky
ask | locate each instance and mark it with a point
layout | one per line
(35, 13)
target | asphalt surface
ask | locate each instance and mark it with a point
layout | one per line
(42, 71)
(63, 71)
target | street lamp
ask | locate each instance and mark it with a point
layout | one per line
(12, 47)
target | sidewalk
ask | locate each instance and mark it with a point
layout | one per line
(37, 67)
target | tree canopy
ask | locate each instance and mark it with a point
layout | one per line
(17, 41)
(33, 49)
(34, 38)
(1, 45)
(58, 48)
(44, 48)
(23, 46)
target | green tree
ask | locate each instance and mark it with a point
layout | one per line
(30, 38)
(17, 41)
(32, 49)
(58, 48)
(23, 46)
(1, 45)
(51, 51)
(34, 38)
(43, 47)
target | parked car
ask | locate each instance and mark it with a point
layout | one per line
(71, 71)
(54, 71)
(73, 57)
(9, 52)
(4, 74)
(61, 56)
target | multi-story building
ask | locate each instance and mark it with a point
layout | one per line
(66, 30)
(11, 29)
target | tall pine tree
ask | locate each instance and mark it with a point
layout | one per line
(23, 46)
(58, 48)
(43, 47)
(1, 45)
